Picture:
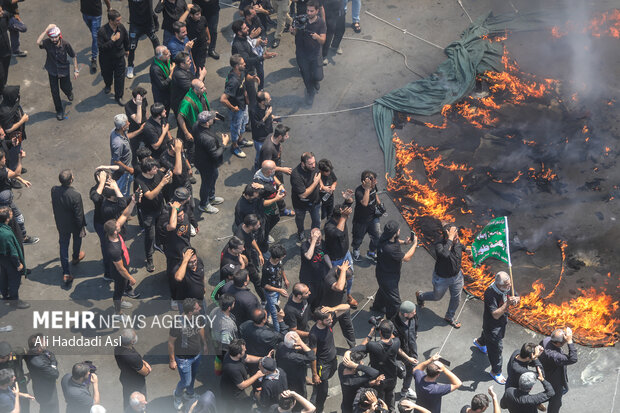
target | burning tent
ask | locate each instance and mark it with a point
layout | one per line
(520, 150)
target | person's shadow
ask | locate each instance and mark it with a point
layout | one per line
(473, 370)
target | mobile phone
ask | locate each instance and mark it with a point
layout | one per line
(412, 236)
(444, 361)
(219, 116)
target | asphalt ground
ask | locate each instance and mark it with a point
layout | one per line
(364, 72)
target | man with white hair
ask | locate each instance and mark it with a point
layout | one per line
(97, 408)
(133, 368)
(209, 157)
(137, 403)
(160, 74)
(121, 155)
(519, 400)
(293, 356)
(496, 304)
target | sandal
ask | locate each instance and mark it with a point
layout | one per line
(499, 378)
(67, 280)
(356, 27)
(453, 323)
(288, 213)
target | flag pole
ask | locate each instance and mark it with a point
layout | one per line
(508, 253)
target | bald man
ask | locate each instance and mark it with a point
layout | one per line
(271, 192)
(194, 102)
(497, 301)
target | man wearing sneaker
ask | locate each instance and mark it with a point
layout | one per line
(209, 157)
(211, 11)
(141, 22)
(151, 182)
(57, 65)
(119, 256)
(430, 392)
(271, 150)
(335, 22)
(365, 216)
(447, 274)
(185, 344)
(305, 180)
(235, 98)
(11, 262)
(69, 216)
(113, 42)
(91, 14)
(406, 329)
(497, 300)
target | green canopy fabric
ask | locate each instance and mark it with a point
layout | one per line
(455, 77)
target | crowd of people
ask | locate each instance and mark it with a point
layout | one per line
(275, 338)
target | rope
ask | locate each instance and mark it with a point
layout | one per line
(326, 113)
(468, 16)
(613, 401)
(405, 31)
(452, 328)
(368, 299)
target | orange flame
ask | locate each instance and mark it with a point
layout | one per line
(606, 24)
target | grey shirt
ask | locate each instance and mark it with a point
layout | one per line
(77, 396)
(120, 148)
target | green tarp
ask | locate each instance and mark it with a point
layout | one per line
(454, 78)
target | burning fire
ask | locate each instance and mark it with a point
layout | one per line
(606, 24)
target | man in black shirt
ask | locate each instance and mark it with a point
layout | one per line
(57, 66)
(151, 182)
(181, 80)
(91, 13)
(496, 304)
(43, 370)
(198, 30)
(174, 159)
(160, 74)
(334, 297)
(389, 261)
(261, 120)
(208, 158)
(520, 362)
(321, 341)
(156, 131)
(249, 203)
(365, 218)
(245, 301)
(297, 310)
(272, 384)
(172, 11)
(260, 337)
(247, 233)
(135, 109)
(351, 381)
(314, 265)
(447, 274)
(113, 42)
(141, 22)
(232, 254)
(305, 180)
(271, 150)
(211, 11)
(293, 356)
(335, 14)
(235, 378)
(308, 43)
(519, 399)
(247, 44)
(133, 367)
(406, 329)
(235, 98)
(190, 276)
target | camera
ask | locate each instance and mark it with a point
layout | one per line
(374, 320)
(300, 22)
(379, 210)
(92, 368)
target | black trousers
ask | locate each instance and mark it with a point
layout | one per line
(493, 341)
(386, 392)
(135, 32)
(113, 69)
(212, 22)
(5, 62)
(270, 223)
(388, 297)
(120, 285)
(65, 85)
(311, 68)
(556, 401)
(335, 31)
(255, 279)
(10, 279)
(326, 370)
(149, 223)
(327, 208)
(346, 326)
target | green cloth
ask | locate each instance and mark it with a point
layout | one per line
(492, 241)
(455, 77)
(9, 246)
(191, 106)
(165, 67)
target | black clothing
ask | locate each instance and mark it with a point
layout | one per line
(132, 109)
(271, 389)
(209, 150)
(160, 84)
(141, 13)
(332, 298)
(517, 401)
(180, 84)
(304, 42)
(56, 61)
(301, 179)
(260, 130)
(150, 206)
(129, 361)
(297, 315)
(295, 364)
(448, 255)
(245, 303)
(366, 213)
(106, 209)
(246, 207)
(554, 362)
(382, 356)
(197, 29)
(407, 331)
(172, 12)
(193, 284)
(176, 240)
(68, 209)
(241, 46)
(312, 271)
(112, 49)
(389, 260)
(336, 241)
(233, 373)
(150, 136)
(492, 301)
(270, 151)
(188, 343)
(261, 339)
(235, 89)
(323, 341)
(168, 161)
(43, 369)
(227, 258)
(77, 396)
(351, 383)
(91, 7)
(515, 368)
(208, 7)
(271, 275)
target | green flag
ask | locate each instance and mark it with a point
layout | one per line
(492, 241)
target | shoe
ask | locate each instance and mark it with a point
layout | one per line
(79, 258)
(246, 143)
(214, 54)
(453, 323)
(15, 184)
(60, 115)
(192, 231)
(287, 213)
(325, 62)
(215, 201)
(107, 89)
(150, 267)
(356, 27)
(270, 239)
(126, 304)
(356, 255)
(409, 394)
(29, 239)
(20, 53)
(209, 209)
(541, 408)
(238, 153)
(119, 102)
(178, 402)
(120, 317)
(131, 294)
(108, 278)
(93, 66)
(20, 304)
(339, 51)
(159, 248)
(317, 86)
(192, 180)
(129, 72)
(67, 280)
(301, 236)
(275, 44)
(499, 378)
(420, 301)
(309, 99)
(190, 397)
(174, 305)
(24, 170)
(352, 301)
(372, 256)
(483, 349)
(70, 97)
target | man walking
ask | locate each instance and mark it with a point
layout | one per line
(366, 217)
(141, 22)
(133, 367)
(235, 98)
(305, 180)
(43, 371)
(281, 7)
(554, 362)
(57, 65)
(91, 14)
(11, 261)
(69, 216)
(496, 305)
(113, 42)
(209, 157)
(120, 149)
(211, 11)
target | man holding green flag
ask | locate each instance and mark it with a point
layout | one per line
(194, 102)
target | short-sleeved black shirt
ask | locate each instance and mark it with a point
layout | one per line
(116, 253)
(131, 109)
(332, 298)
(193, 285)
(208, 7)
(270, 152)
(167, 161)
(301, 179)
(172, 12)
(304, 42)
(197, 29)
(227, 258)
(188, 342)
(336, 241)
(247, 238)
(272, 275)
(56, 61)
(363, 213)
(235, 89)
(150, 206)
(150, 135)
(389, 259)
(178, 239)
(323, 341)
(233, 374)
(4, 179)
(312, 270)
(328, 181)
(129, 361)
(140, 13)
(492, 301)
(297, 315)
(91, 7)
